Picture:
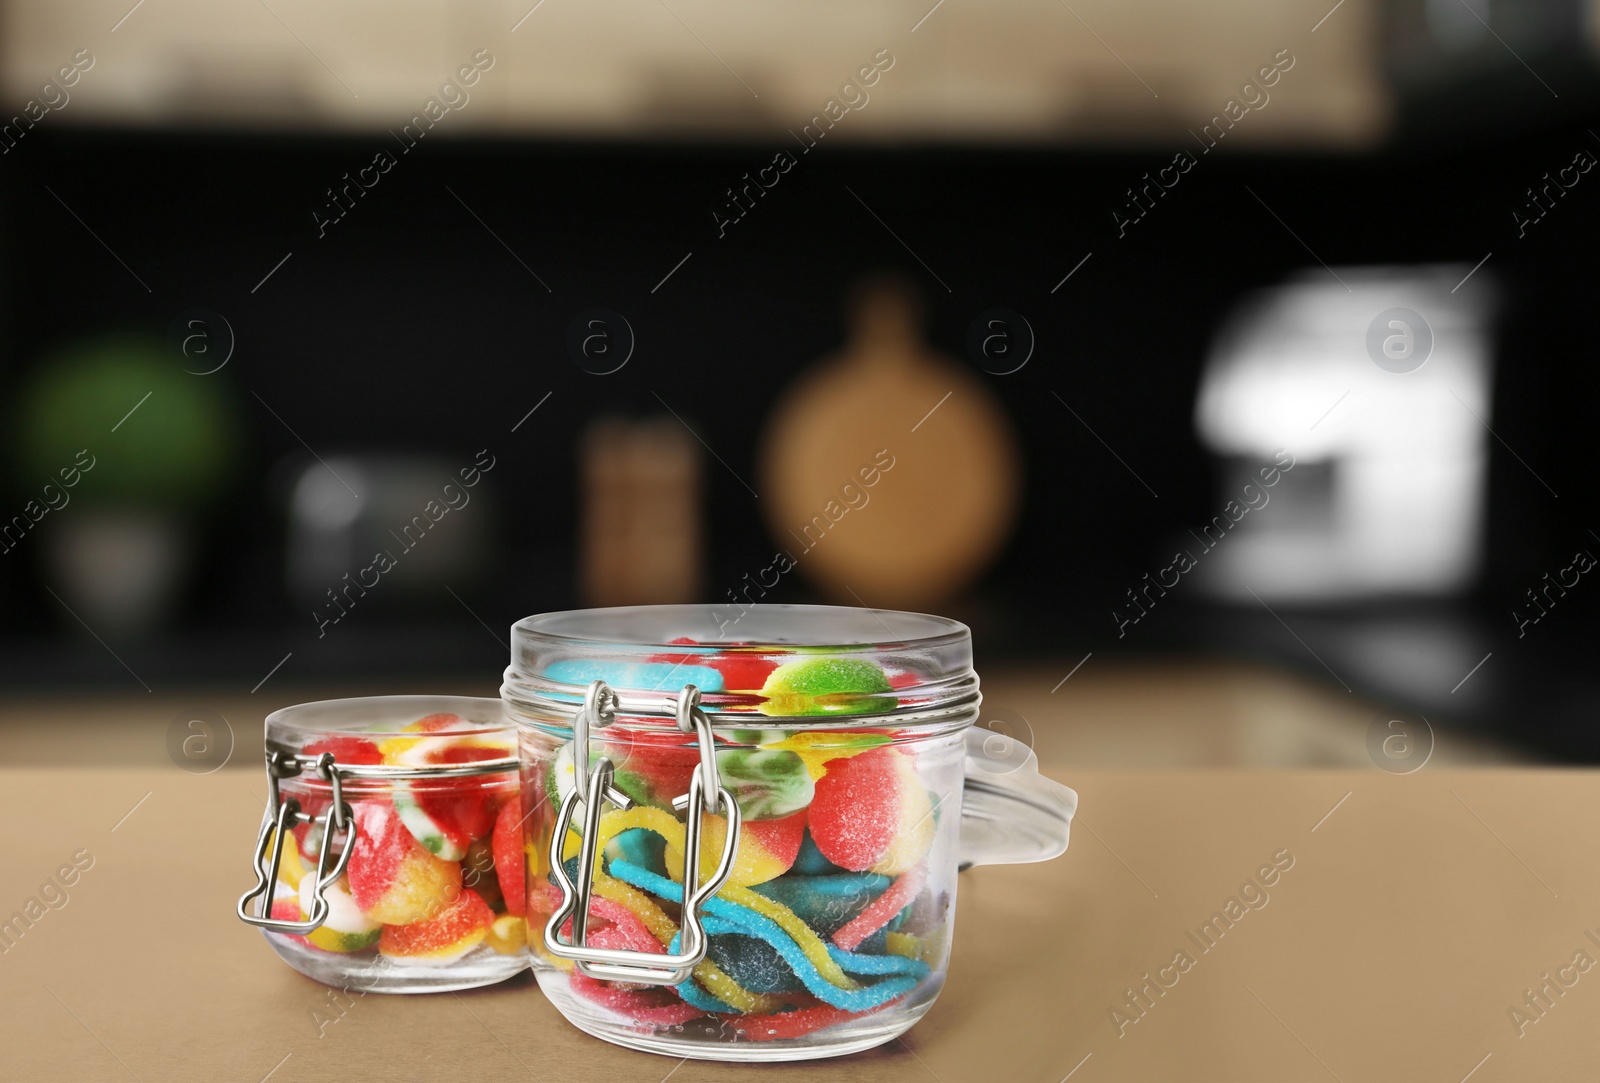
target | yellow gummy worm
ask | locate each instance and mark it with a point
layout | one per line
(644, 908)
(905, 944)
(816, 749)
(663, 823)
(663, 928)
(617, 821)
(731, 993)
(717, 982)
(805, 937)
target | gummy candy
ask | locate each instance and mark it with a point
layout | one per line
(767, 848)
(445, 815)
(882, 909)
(345, 750)
(798, 1023)
(817, 750)
(393, 747)
(872, 812)
(810, 929)
(393, 879)
(813, 686)
(508, 935)
(652, 676)
(346, 928)
(423, 884)
(769, 784)
(456, 930)
(510, 860)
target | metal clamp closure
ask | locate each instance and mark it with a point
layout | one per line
(280, 819)
(591, 789)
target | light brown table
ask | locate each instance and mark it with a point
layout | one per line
(1418, 910)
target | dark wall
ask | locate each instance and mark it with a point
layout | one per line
(410, 326)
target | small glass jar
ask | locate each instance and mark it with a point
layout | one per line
(383, 858)
(818, 768)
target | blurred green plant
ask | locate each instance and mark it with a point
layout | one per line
(176, 450)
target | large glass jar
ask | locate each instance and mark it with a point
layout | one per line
(815, 760)
(376, 863)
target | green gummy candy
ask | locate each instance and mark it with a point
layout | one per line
(812, 686)
(769, 784)
(638, 788)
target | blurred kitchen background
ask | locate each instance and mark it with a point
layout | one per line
(990, 310)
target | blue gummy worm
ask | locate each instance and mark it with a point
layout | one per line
(653, 676)
(741, 919)
(695, 995)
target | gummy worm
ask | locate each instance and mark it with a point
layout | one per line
(641, 1005)
(868, 999)
(816, 749)
(805, 937)
(668, 827)
(726, 916)
(883, 908)
(795, 1024)
(727, 991)
(911, 947)
(655, 919)
(665, 930)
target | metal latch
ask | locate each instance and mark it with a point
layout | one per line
(592, 789)
(281, 818)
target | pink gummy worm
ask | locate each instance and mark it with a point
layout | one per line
(883, 908)
(625, 930)
(795, 1024)
(657, 1007)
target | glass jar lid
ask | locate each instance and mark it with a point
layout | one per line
(766, 666)
(395, 737)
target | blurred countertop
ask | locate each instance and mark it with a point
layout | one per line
(145, 972)
(1366, 958)
(1105, 714)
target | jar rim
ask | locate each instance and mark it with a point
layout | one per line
(936, 630)
(295, 732)
(916, 668)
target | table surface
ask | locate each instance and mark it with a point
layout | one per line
(1416, 913)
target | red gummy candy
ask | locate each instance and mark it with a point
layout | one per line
(345, 749)
(383, 843)
(903, 679)
(467, 917)
(464, 808)
(662, 760)
(288, 909)
(434, 723)
(779, 838)
(742, 671)
(510, 860)
(856, 811)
